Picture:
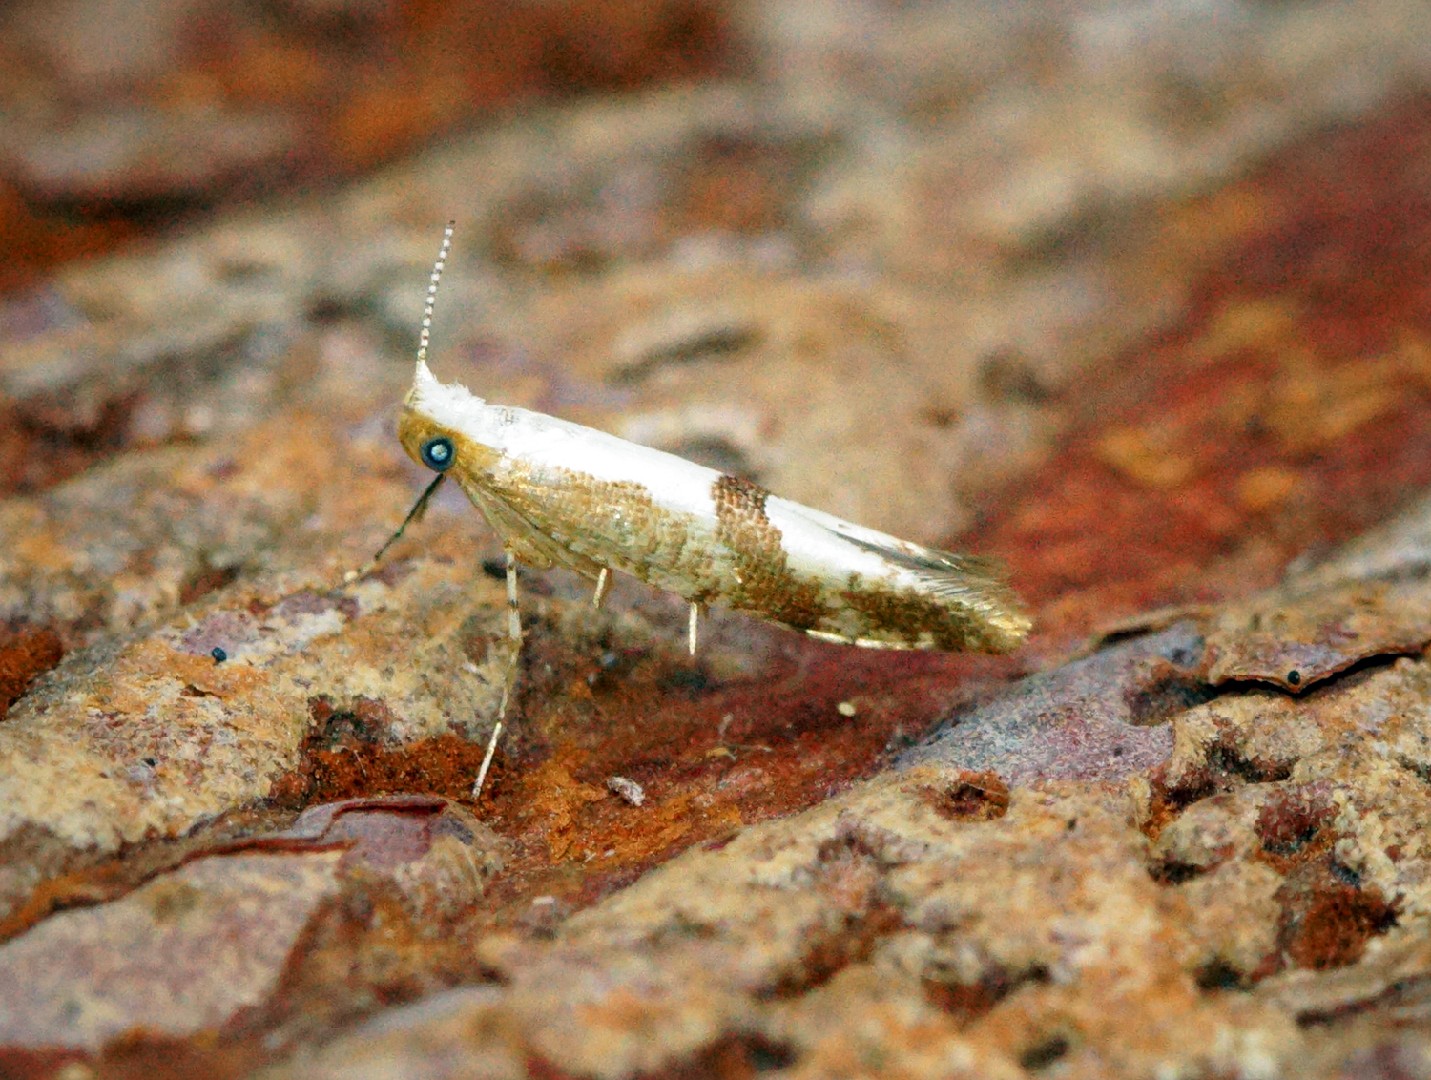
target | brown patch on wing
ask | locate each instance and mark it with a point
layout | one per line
(764, 583)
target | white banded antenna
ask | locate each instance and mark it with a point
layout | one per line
(425, 334)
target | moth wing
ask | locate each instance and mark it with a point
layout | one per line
(528, 543)
(943, 573)
(975, 583)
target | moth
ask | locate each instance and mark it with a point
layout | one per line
(560, 494)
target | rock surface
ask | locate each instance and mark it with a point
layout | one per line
(1129, 296)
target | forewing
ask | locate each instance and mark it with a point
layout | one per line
(937, 599)
(975, 583)
(528, 543)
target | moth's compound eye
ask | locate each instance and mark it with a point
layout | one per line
(438, 453)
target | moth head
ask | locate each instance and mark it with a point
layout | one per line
(429, 443)
(443, 426)
(436, 428)
(438, 419)
(426, 439)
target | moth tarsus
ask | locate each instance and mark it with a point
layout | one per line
(560, 494)
(691, 632)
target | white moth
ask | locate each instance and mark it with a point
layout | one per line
(560, 494)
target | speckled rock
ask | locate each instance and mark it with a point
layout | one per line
(175, 957)
(1130, 297)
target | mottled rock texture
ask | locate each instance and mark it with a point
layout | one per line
(1132, 296)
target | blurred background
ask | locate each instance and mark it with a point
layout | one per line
(1133, 294)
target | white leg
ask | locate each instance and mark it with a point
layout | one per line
(603, 585)
(695, 617)
(514, 655)
(486, 761)
(514, 614)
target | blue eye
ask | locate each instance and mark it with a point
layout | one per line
(438, 453)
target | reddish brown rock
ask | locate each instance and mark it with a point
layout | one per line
(1149, 322)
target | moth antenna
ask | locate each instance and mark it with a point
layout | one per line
(424, 335)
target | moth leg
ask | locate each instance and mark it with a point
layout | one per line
(695, 618)
(514, 613)
(603, 586)
(514, 655)
(486, 761)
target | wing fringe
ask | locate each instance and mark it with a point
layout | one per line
(977, 582)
